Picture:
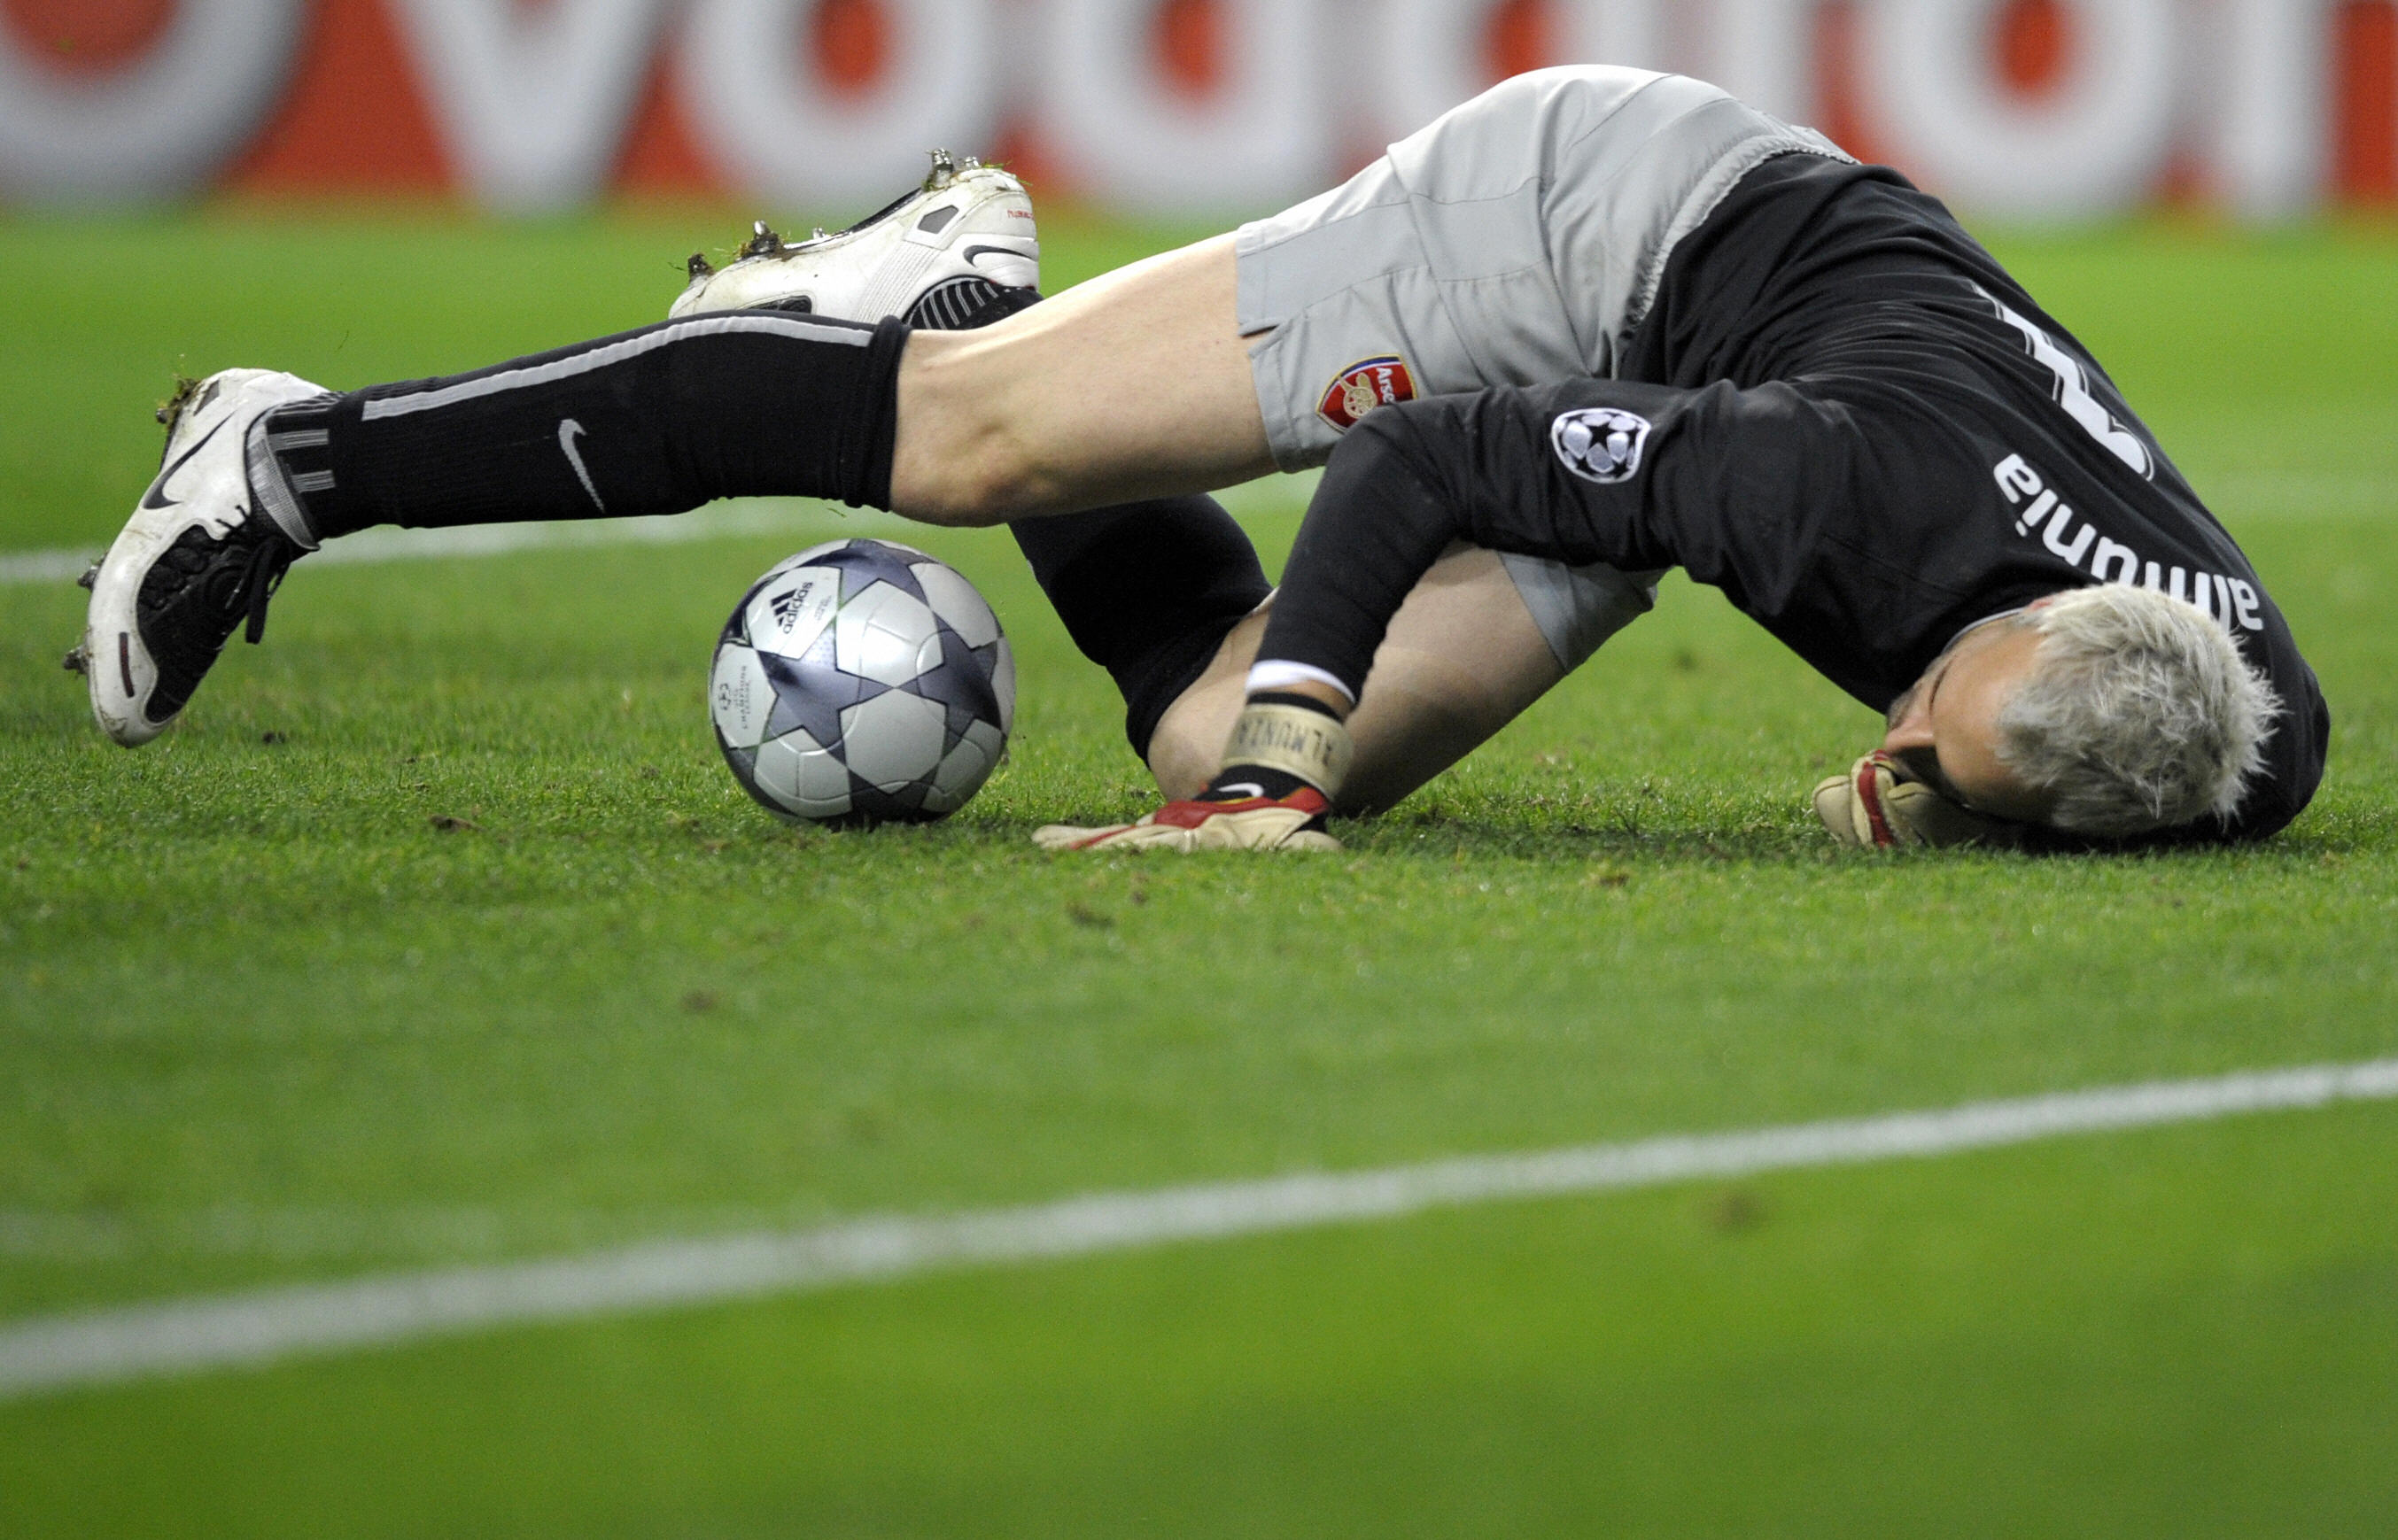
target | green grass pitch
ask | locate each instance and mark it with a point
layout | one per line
(438, 934)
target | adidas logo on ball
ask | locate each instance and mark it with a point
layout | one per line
(788, 606)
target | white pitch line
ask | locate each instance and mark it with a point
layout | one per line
(2243, 496)
(756, 517)
(187, 1336)
(747, 517)
(2260, 496)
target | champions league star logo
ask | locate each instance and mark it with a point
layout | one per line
(1601, 444)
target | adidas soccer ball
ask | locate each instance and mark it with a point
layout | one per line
(862, 682)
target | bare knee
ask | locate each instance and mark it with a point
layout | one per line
(961, 455)
(1136, 385)
(1188, 748)
(966, 467)
(1187, 752)
(1461, 660)
(971, 478)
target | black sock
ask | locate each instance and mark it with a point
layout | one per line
(657, 421)
(664, 419)
(1148, 591)
(1382, 514)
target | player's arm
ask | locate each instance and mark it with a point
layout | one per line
(1715, 479)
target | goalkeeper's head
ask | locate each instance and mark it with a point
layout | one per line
(2105, 712)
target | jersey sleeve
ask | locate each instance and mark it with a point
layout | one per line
(1861, 523)
(1825, 518)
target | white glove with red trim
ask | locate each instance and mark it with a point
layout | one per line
(1282, 768)
(1872, 808)
(1292, 823)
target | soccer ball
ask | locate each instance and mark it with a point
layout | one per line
(862, 682)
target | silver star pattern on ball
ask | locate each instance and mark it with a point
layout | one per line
(862, 682)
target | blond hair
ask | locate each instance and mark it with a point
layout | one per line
(2138, 714)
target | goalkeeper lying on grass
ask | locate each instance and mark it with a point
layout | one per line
(1592, 325)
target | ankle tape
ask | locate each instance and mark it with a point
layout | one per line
(1303, 741)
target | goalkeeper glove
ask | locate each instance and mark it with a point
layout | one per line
(1871, 808)
(1283, 766)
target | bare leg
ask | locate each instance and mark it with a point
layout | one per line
(1462, 660)
(1134, 385)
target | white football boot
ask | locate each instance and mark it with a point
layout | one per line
(959, 251)
(201, 553)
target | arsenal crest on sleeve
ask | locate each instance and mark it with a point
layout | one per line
(1601, 444)
(1363, 386)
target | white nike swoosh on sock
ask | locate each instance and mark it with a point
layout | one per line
(567, 431)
